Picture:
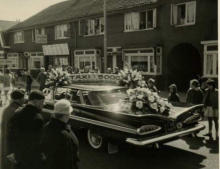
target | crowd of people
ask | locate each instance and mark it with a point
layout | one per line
(201, 92)
(29, 142)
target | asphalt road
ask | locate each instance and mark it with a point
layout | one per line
(187, 153)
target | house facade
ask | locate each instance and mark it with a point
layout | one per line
(172, 41)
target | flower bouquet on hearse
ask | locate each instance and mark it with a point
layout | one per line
(131, 78)
(140, 99)
(57, 77)
(143, 101)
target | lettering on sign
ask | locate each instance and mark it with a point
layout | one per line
(104, 78)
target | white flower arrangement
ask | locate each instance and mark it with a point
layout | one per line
(131, 78)
(140, 95)
(143, 97)
(57, 77)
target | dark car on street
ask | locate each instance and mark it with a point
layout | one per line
(97, 109)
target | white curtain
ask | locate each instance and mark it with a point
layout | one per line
(128, 21)
(135, 20)
(191, 12)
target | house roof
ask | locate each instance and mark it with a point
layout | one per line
(74, 9)
(4, 25)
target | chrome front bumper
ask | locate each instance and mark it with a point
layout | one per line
(165, 137)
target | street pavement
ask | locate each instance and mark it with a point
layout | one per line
(187, 153)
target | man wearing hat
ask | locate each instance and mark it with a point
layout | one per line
(211, 107)
(25, 131)
(17, 100)
(59, 143)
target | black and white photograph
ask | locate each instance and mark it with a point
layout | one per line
(109, 84)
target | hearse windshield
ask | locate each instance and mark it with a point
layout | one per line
(99, 98)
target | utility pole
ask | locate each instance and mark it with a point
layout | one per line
(105, 36)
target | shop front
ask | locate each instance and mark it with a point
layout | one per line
(13, 61)
(114, 58)
(56, 54)
(89, 58)
(146, 60)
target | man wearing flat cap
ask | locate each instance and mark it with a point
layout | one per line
(59, 144)
(25, 131)
(17, 100)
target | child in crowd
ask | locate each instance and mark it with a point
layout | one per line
(194, 94)
(203, 84)
(210, 102)
(173, 95)
(151, 85)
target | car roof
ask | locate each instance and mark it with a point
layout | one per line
(96, 87)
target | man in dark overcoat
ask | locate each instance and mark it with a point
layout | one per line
(41, 78)
(59, 144)
(17, 100)
(25, 129)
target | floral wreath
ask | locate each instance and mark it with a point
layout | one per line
(57, 77)
(140, 98)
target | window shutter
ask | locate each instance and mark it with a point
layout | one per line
(154, 18)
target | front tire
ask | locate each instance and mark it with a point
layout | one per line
(95, 140)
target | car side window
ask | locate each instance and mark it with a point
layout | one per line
(86, 99)
(75, 96)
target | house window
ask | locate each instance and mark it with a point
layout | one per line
(36, 60)
(184, 13)
(94, 26)
(210, 60)
(140, 20)
(19, 37)
(145, 62)
(88, 60)
(37, 32)
(62, 31)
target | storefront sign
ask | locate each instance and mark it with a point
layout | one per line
(93, 77)
(57, 49)
(41, 39)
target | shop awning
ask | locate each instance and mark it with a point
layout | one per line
(56, 49)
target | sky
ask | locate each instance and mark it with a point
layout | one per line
(13, 10)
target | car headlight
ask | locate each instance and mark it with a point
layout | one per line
(148, 129)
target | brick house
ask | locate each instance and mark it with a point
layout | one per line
(4, 25)
(172, 41)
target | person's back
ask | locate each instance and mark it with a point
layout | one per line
(17, 100)
(59, 145)
(25, 130)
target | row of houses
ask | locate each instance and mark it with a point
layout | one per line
(172, 41)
